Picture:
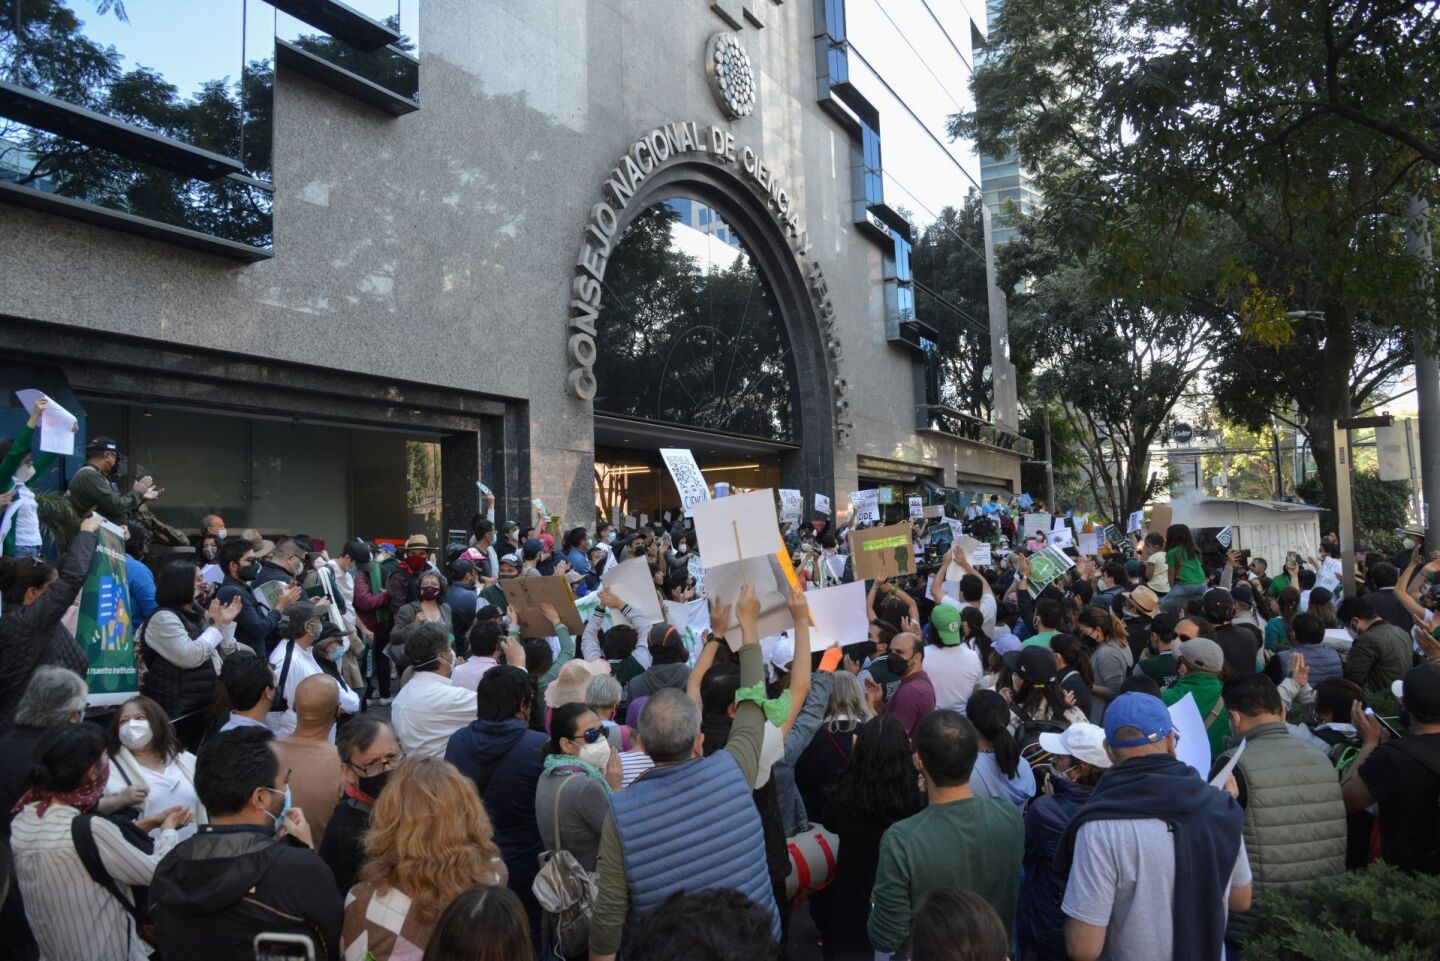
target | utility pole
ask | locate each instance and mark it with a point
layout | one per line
(1050, 464)
(1427, 375)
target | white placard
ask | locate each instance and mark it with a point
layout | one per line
(1223, 775)
(1136, 522)
(792, 505)
(1194, 745)
(917, 507)
(691, 616)
(835, 564)
(822, 504)
(1089, 544)
(1061, 537)
(839, 615)
(1034, 522)
(981, 556)
(632, 583)
(736, 527)
(644, 520)
(630, 521)
(57, 425)
(687, 477)
(867, 506)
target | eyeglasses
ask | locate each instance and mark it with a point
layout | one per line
(379, 766)
(590, 736)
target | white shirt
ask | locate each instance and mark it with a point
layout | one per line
(468, 675)
(954, 672)
(24, 516)
(72, 917)
(427, 711)
(302, 665)
(174, 786)
(986, 606)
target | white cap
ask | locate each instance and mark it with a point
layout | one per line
(1083, 742)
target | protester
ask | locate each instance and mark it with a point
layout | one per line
(255, 626)
(150, 772)
(315, 780)
(1037, 696)
(914, 698)
(429, 841)
(1309, 641)
(819, 766)
(139, 579)
(1186, 572)
(1240, 642)
(249, 684)
(581, 772)
(1155, 857)
(426, 609)
(602, 695)
(35, 598)
(669, 663)
(251, 869)
(1076, 672)
(958, 840)
(430, 708)
(1278, 633)
(1000, 771)
(1162, 666)
(73, 917)
(483, 640)
(294, 661)
(369, 754)
(954, 668)
(953, 924)
(1201, 664)
(1384, 577)
(719, 925)
(18, 466)
(1157, 569)
(180, 645)
(373, 612)
(1110, 659)
(462, 595)
(90, 488)
(1382, 652)
(486, 923)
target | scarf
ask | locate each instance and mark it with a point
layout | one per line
(83, 798)
(1205, 824)
(353, 791)
(382, 613)
(777, 709)
(570, 764)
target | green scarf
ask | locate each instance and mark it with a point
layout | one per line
(382, 614)
(777, 709)
(562, 762)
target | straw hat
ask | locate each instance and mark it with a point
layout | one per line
(569, 686)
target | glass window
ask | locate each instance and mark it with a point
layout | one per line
(394, 68)
(688, 332)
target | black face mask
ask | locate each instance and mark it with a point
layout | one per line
(372, 786)
(897, 663)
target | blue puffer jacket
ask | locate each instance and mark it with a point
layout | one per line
(1040, 924)
(504, 760)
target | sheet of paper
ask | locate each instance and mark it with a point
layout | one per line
(630, 521)
(632, 583)
(1194, 745)
(485, 492)
(917, 507)
(835, 564)
(644, 520)
(1136, 522)
(735, 527)
(822, 504)
(692, 617)
(932, 511)
(1088, 544)
(1030, 523)
(764, 575)
(838, 614)
(981, 556)
(867, 506)
(1062, 537)
(57, 425)
(1223, 774)
(792, 505)
(686, 475)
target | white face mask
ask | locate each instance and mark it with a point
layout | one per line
(597, 754)
(609, 537)
(24, 472)
(1407, 542)
(136, 734)
(222, 533)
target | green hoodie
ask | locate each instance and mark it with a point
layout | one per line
(1206, 688)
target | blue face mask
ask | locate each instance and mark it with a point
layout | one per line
(284, 809)
(339, 653)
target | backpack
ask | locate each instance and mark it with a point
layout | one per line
(82, 836)
(566, 891)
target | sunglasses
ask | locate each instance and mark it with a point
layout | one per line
(590, 736)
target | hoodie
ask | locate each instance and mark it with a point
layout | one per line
(1041, 922)
(217, 890)
(504, 759)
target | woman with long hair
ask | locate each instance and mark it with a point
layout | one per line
(1279, 635)
(179, 646)
(1111, 658)
(972, 632)
(575, 549)
(429, 841)
(486, 923)
(150, 771)
(1187, 572)
(877, 788)
(1076, 673)
(1000, 771)
(1322, 605)
(819, 766)
(1033, 689)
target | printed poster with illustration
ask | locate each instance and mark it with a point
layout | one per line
(105, 628)
(882, 552)
(1046, 565)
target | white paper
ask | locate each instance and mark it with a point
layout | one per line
(917, 507)
(835, 564)
(1136, 522)
(1061, 537)
(822, 504)
(980, 556)
(792, 505)
(1194, 745)
(644, 520)
(732, 528)
(1089, 544)
(665, 517)
(771, 589)
(489, 511)
(632, 583)
(687, 477)
(1337, 639)
(57, 425)
(692, 614)
(630, 521)
(839, 615)
(886, 495)
(1223, 774)
(867, 506)
(1033, 523)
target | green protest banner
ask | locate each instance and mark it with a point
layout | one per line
(104, 628)
(1046, 565)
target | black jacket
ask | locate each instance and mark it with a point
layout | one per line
(1391, 608)
(33, 636)
(343, 847)
(253, 627)
(181, 691)
(217, 890)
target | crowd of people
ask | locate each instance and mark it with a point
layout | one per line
(361, 752)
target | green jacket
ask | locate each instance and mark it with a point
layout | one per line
(90, 490)
(1294, 824)
(1380, 657)
(1206, 688)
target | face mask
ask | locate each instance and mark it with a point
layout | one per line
(209, 553)
(339, 652)
(284, 809)
(372, 786)
(24, 472)
(682, 549)
(249, 572)
(429, 592)
(1408, 543)
(597, 754)
(222, 533)
(609, 537)
(415, 564)
(897, 663)
(202, 595)
(135, 734)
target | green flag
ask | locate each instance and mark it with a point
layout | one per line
(104, 629)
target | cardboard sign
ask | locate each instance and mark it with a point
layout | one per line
(822, 504)
(686, 475)
(1047, 564)
(1161, 517)
(1031, 523)
(1062, 537)
(632, 583)
(882, 552)
(932, 511)
(1136, 522)
(792, 505)
(526, 594)
(732, 528)
(57, 425)
(839, 616)
(1089, 544)
(917, 507)
(867, 506)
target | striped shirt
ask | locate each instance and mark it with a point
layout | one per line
(632, 765)
(72, 917)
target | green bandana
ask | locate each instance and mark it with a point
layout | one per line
(568, 762)
(777, 709)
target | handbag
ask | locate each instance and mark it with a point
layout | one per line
(566, 891)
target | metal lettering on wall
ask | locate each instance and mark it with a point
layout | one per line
(659, 147)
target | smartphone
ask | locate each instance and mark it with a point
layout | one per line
(1383, 723)
(279, 946)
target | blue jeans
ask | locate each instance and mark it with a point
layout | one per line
(1178, 596)
(24, 551)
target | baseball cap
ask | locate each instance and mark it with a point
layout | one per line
(781, 651)
(1005, 643)
(1218, 604)
(1420, 687)
(101, 445)
(1164, 624)
(531, 549)
(1243, 594)
(1144, 712)
(511, 559)
(1083, 742)
(1134, 568)
(1034, 663)
(946, 621)
(1202, 654)
(330, 629)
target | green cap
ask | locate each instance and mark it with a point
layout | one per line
(946, 621)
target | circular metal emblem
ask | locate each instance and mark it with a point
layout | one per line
(732, 80)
